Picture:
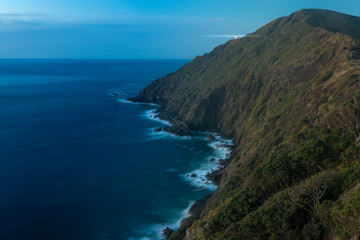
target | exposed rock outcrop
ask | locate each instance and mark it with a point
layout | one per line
(178, 128)
(166, 233)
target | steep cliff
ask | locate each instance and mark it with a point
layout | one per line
(289, 96)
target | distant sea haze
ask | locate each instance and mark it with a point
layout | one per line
(77, 162)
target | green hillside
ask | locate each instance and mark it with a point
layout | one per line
(289, 96)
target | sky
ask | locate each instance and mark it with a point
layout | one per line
(137, 29)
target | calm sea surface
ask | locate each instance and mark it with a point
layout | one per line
(79, 163)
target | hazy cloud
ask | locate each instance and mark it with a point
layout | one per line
(16, 20)
(17, 17)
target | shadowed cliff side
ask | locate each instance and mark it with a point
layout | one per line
(289, 96)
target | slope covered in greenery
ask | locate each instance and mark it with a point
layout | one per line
(289, 96)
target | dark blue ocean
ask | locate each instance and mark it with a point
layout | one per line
(79, 163)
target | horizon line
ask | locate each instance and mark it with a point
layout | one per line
(96, 59)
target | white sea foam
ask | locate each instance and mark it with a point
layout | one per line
(222, 151)
(163, 135)
(125, 100)
(154, 231)
(151, 114)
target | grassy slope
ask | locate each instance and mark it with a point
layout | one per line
(288, 95)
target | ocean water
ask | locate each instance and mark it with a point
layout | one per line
(77, 162)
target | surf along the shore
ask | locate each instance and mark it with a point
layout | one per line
(204, 175)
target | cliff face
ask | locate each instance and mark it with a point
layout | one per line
(289, 96)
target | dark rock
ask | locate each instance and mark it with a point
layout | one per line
(178, 128)
(198, 206)
(222, 162)
(215, 176)
(135, 99)
(210, 137)
(166, 233)
(193, 175)
(213, 159)
(158, 129)
(115, 94)
(185, 223)
(139, 100)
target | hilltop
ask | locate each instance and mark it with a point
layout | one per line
(289, 97)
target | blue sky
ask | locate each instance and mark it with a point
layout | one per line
(136, 28)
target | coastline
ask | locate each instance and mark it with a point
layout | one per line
(222, 151)
(199, 178)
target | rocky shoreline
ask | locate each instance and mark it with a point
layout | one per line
(212, 176)
(178, 128)
(198, 207)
